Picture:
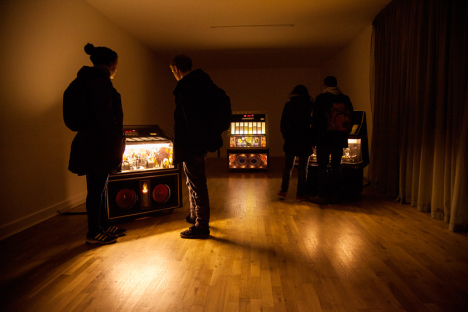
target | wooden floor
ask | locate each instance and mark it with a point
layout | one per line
(365, 254)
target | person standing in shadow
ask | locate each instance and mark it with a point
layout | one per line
(329, 141)
(98, 146)
(296, 130)
(192, 96)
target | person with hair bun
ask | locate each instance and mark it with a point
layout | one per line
(296, 129)
(97, 149)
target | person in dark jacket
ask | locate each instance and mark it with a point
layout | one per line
(192, 139)
(296, 130)
(97, 149)
(329, 143)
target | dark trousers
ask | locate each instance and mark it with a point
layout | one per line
(301, 172)
(198, 191)
(323, 154)
(96, 201)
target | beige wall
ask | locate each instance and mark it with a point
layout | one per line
(351, 67)
(268, 89)
(41, 51)
(264, 90)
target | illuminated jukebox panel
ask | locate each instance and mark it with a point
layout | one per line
(248, 148)
(148, 180)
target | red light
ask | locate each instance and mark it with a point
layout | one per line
(161, 193)
(125, 198)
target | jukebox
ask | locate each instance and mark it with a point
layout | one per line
(148, 181)
(248, 146)
(355, 158)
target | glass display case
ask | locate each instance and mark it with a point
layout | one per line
(248, 146)
(357, 154)
(147, 153)
(353, 153)
(147, 180)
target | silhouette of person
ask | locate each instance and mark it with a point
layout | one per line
(97, 149)
(329, 143)
(296, 130)
(192, 139)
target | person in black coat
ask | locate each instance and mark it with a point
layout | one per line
(296, 130)
(192, 139)
(97, 149)
(329, 144)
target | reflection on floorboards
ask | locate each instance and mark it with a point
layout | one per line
(367, 253)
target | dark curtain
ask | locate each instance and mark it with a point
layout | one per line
(420, 107)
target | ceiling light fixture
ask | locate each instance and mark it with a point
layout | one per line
(252, 26)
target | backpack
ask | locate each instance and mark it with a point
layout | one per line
(220, 111)
(220, 117)
(339, 118)
(76, 110)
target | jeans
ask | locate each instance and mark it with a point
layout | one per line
(194, 169)
(96, 201)
(323, 152)
(301, 174)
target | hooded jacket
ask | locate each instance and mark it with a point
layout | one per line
(99, 147)
(295, 125)
(191, 129)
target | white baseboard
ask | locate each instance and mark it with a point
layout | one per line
(37, 217)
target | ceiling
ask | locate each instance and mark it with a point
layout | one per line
(244, 33)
